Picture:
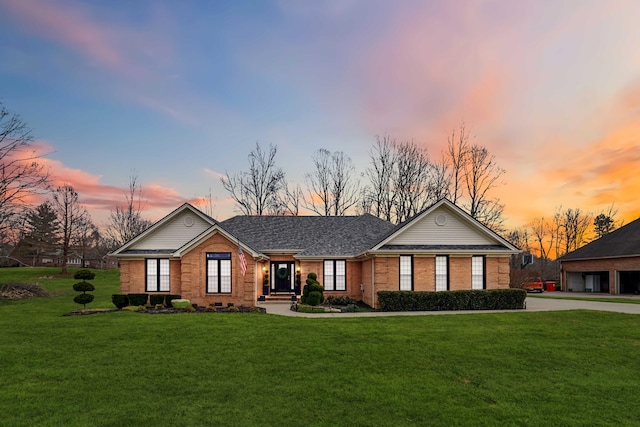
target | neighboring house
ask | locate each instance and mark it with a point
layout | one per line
(25, 255)
(197, 257)
(610, 264)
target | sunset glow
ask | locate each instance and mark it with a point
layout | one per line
(178, 93)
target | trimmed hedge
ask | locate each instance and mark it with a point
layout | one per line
(120, 300)
(493, 299)
(138, 299)
(169, 298)
(155, 299)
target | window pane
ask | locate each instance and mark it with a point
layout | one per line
(225, 276)
(406, 275)
(441, 273)
(152, 275)
(212, 276)
(328, 276)
(477, 272)
(164, 275)
(341, 275)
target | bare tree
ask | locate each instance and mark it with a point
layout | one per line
(86, 237)
(441, 179)
(520, 238)
(378, 197)
(411, 180)
(572, 226)
(402, 180)
(544, 234)
(481, 175)
(473, 174)
(22, 173)
(126, 221)
(71, 215)
(207, 204)
(332, 188)
(457, 156)
(257, 191)
(291, 199)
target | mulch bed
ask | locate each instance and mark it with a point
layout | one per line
(16, 291)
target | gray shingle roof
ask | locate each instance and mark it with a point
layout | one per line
(360, 234)
(308, 235)
(624, 241)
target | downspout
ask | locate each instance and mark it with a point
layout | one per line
(373, 282)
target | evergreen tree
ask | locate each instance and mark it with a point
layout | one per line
(43, 228)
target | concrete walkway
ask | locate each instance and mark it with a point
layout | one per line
(546, 302)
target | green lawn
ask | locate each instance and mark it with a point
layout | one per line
(552, 368)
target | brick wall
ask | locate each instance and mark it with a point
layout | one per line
(612, 265)
(193, 275)
(459, 273)
(387, 273)
(424, 274)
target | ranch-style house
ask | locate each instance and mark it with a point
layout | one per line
(246, 259)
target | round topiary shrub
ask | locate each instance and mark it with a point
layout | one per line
(83, 299)
(84, 287)
(120, 300)
(84, 274)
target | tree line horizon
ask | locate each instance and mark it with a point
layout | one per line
(400, 181)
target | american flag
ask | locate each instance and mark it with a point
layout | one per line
(243, 260)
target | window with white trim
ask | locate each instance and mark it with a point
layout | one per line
(157, 275)
(406, 272)
(442, 273)
(218, 272)
(335, 275)
(477, 272)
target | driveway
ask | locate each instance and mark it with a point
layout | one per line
(543, 303)
(557, 302)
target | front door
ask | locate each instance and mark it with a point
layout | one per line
(282, 276)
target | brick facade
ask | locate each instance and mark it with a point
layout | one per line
(611, 265)
(188, 275)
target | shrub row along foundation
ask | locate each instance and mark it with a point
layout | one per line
(495, 299)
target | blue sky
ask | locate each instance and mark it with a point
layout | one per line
(180, 92)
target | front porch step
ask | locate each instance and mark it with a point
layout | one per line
(280, 298)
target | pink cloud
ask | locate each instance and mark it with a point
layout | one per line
(100, 198)
(71, 25)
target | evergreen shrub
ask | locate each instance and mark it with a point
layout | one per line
(83, 287)
(120, 300)
(312, 287)
(493, 299)
(84, 274)
(83, 299)
(169, 298)
(155, 299)
(138, 299)
(339, 300)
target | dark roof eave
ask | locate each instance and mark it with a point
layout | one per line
(562, 259)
